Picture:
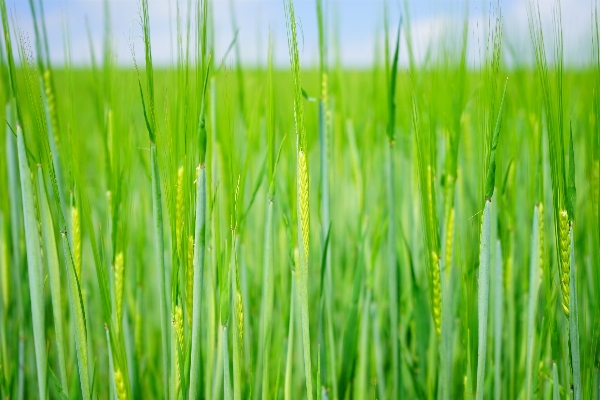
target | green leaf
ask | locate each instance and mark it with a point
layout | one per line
(490, 180)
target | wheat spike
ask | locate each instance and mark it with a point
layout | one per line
(304, 199)
(437, 293)
(119, 275)
(120, 384)
(240, 316)
(178, 330)
(565, 267)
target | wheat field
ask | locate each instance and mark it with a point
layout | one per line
(420, 230)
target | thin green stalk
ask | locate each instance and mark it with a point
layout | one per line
(378, 352)
(483, 297)
(363, 353)
(199, 249)
(227, 395)
(534, 284)
(446, 335)
(392, 263)
(111, 366)
(327, 345)
(393, 275)
(268, 295)
(498, 319)
(287, 394)
(34, 265)
(52, 262)
(574, 325)
(218, 378)
(79, 320)
(236, 322)
(162, 271)
(555, 384)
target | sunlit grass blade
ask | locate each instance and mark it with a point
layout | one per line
(34, 265)
(287, 390)
(534, 284)
(52, 263)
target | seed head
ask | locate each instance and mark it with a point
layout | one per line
(119, 274)
(303, 198)
(120, 384)
(565, 266)
(437, 293)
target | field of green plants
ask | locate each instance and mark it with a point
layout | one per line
(209, 230)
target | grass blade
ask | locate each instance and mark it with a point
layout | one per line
(54, 276)
(162, 270)
(34, 265)
(199, 240)
(534, 284)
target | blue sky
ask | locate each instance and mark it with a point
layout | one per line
(435, 25)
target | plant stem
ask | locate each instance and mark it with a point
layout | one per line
(199, 249)
(393, 276)
(54, 277)
(574, 324)
(483, 297)
(268, 295)
(159, 242)
(534, 284)
(34, 265)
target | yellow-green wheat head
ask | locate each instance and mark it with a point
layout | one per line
(437, 293)
(119, 275)
(178, 330)
(565, 259)
(120, 385)
(303, 198)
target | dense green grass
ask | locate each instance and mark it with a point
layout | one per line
(414, 213)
